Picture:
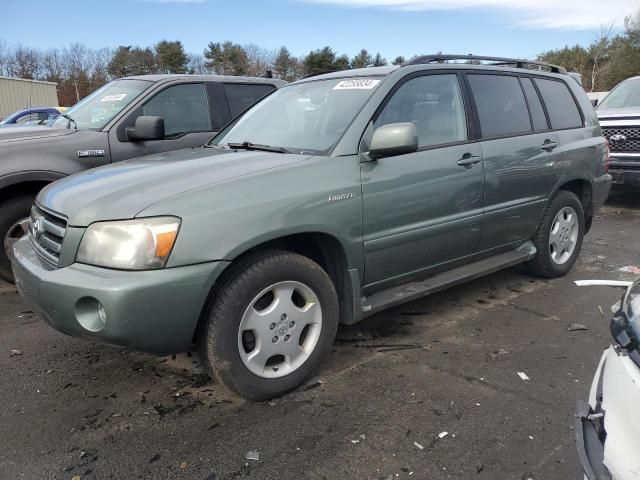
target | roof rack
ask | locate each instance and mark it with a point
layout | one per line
(497, 61)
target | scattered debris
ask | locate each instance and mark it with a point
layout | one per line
(601, 312)
(312, 386)
(523, 376)
(155, 458)
(418, 445)
(574, 327)
(630, 269)
(479, 467)
(443, 434)
(15, 352)
(499, 353)
(183, 465)
(255, 456)
(530, 437)
(76, 477)
(360, 438)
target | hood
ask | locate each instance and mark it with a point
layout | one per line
(122, 190)
(11, 133)
(612, 113)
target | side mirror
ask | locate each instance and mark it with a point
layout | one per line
(146, 128)
(594, 102)
(394, 139)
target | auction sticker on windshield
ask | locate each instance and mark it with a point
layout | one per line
(113, 98)
(359, 84)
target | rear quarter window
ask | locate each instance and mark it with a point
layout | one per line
(562, 108)
(501, 106)
(241, 96)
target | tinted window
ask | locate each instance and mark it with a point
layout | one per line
(433, 103)
(185, 109)
(500, 104)
(535, 106)
(241, 97)
(563, 111)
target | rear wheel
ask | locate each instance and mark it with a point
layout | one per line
(14, 224)
(559, 236)
(270, 324)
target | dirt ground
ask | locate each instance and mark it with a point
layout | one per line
(74, 409)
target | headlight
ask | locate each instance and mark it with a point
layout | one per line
(139, 244)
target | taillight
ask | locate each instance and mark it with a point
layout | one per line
(606, 157)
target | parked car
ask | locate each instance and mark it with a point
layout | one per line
(332, 199)
(619, 115)
(33, 116)
(126, 118)
(607, 427)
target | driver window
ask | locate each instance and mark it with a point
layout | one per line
(185, 109)
(433, 103)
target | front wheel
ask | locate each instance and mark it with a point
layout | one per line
(14, 222)
(270, 324)
(559, 236)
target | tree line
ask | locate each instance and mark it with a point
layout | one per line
(607, 61)
(79, 70)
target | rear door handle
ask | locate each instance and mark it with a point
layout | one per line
(468, 160)
(548, 145)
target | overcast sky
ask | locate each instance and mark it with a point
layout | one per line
(519, 28)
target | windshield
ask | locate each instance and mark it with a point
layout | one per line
(307, 117)
(627, 94)
(96, 110)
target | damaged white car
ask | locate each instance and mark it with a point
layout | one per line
(608, 427)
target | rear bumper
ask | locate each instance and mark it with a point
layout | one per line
(153, 311)
(601, 187)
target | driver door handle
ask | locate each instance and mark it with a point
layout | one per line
(468, 160)
(548, 145)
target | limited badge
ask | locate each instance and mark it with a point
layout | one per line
(90, 153)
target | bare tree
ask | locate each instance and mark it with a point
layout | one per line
(5, 56)
(24, 63)
(600, 51)
(196, 64)
(259, 59)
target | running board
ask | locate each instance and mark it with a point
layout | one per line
(410, 291)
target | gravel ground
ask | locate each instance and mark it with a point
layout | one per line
(73, 409)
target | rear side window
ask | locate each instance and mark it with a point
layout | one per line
(241, 97)
(562, 108)
(500, 104)
(535, 106)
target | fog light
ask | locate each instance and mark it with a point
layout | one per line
(91, 314)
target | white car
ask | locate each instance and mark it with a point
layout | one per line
(608, 427)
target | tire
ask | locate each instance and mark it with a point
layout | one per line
(247, 298)
(551, 261)
(12, 211)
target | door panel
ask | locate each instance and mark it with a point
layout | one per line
(519, 176)
(187, 115)
(420, 210)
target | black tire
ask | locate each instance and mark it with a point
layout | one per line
(11, 211)
(542, 264)
(218, 340)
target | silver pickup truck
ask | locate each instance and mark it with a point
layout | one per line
(619, 115)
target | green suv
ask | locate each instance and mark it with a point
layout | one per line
(331, 199)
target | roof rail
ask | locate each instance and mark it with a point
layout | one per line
(506, 62)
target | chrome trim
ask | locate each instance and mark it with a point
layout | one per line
(620, 123)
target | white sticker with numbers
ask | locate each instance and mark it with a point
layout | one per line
(113, 98)
(357, 84)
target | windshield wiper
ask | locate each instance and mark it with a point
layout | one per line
(69, 120)
(257, 147)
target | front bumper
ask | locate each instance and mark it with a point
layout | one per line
(154, 311)
(625, 170)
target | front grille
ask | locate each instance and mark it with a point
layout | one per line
(46, 231)
(631, 143)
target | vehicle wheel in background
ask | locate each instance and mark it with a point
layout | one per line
(14, 221)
